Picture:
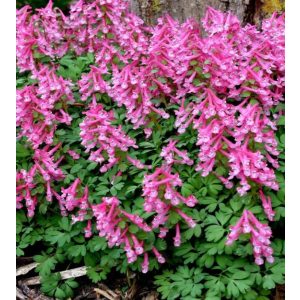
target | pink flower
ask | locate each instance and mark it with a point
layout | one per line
(159, 257)
(164, 181)
(88, 229)
(172, 155)
(259, 236)
(23, 190)
(177, 238)
(145, 264)
(73, 154)
(267, 205)
(137, 163)
(97, 132)
(108, 217)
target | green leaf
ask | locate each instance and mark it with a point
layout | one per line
(46, 264)
(232, 289)
(209, 261)
(76, 168)
(92, 166)
(236, 204)
(240, 275)
(72, 283)
(97, 243)
(187, 189)
(246, 94)
(59, 293)
(193, 62)
(161, 244)
(222, 217)
(77, 250)
(268, 282)
(214, 233)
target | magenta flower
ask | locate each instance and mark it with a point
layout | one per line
(163, 180)
(174, 156)
(267, 205)
(259, 236)
(97, 132)
(177, 238)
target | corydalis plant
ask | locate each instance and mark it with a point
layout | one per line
(223, 85)
(97, 132)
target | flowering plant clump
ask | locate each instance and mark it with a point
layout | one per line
(160, 141)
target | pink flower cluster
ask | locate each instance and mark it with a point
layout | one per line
(97, 132)
(172, 155)
(108, 217)
(45, 166)
(161, 197)
(41, 107)
(219, 129)
(23, 190)
(260, 236)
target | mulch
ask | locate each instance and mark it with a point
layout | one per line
(116, 287)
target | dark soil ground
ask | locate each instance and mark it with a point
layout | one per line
(130, 287)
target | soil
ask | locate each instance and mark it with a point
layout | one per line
(116, 287)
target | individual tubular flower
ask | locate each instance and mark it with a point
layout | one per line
(259, 236)
(267, 205)
(137, 220)
(88, 229)
(137, 163)
(177, 238)
(161, 196)
(158, 255)
(191, 223)
(172, 155)
(97, 132)
(145, 264)
(163, 232)
(73, 154)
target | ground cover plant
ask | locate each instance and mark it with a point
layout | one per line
(158, 150)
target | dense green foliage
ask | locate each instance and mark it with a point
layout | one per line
(201, 267)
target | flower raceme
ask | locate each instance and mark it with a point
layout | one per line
(173, 155)
(43, 166)
(223, 84)
(260, 236)
(97, 132)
